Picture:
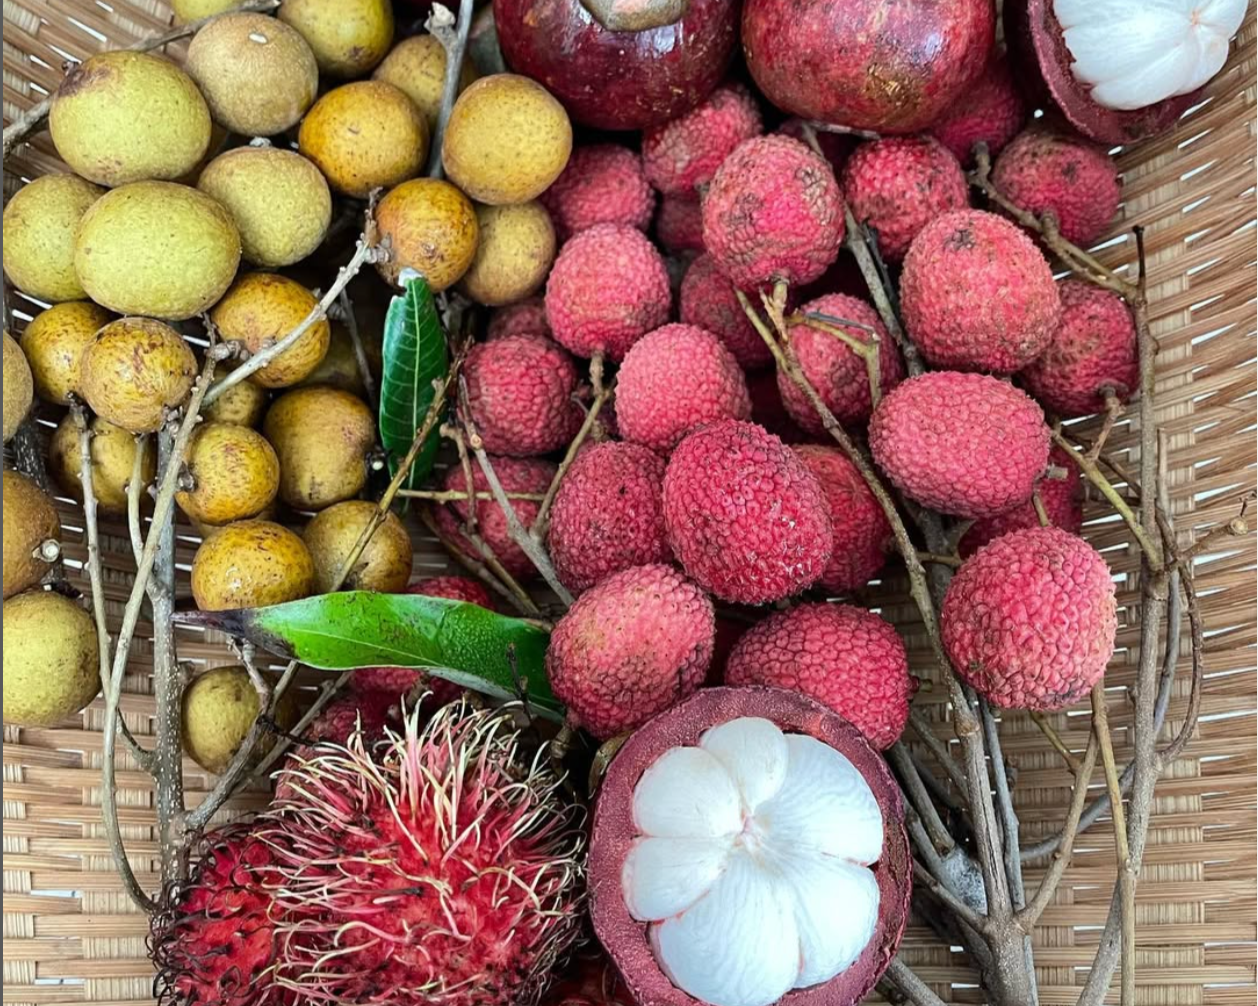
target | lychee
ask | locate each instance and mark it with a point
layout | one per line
(524, 317)
(520, 394)
(602, 184)
(608, 514)
(1029, 620)
(679, 223)
(745, 517)
(708, 299)
(773, 213)
(517, 475)
(862, 533)
(1093, 348)
(899, 185)
(991, 111)
(1061, 499)
(683, 154)
(835, 370)
(608, 288)
(977, 294)
(676, 379)
(835, 147)
(844, 657)
(963, 444)
(1075, 179)
(630, 647)
(368, 712)
(397, 682)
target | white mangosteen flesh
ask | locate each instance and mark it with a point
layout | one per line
(751, 863)
(1135, 53)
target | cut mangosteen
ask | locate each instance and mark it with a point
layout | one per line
(749, 848)
(1044, 62)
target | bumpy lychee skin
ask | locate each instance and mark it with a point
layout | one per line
(396, 682)
(991, 110)
(1075, 179)
(679, 223)
(839, 375)
(602, 184)
(524, 317)
(899, 185)
(745, 517)
(629, 648)
(368, 712)
(708, 299)
(517, 475)
(963, 444)
(1061, 499)
(607, 289)
(844, 657)
(608, 514)
(1093, 348)
(977, 294)
(1029, 620)
(520, 394)
(676, 379)
(684, 153)
(862, 533)
(773, 212)
(835, 147)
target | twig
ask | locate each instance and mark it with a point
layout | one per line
(1100, 726)
(1054, 738)
(919, 994)
(459, 496)
(923, 728)
(482, 570)
(1113, 409)
(364, 254)
(963, 911)
(951, 561)
(135, 495)
(519, 534)
(440, 24)
(601, 395)
(360, 351)
(34, 117)
(915, 792)
(868, 351)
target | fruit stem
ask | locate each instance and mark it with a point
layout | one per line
(1126, 874)
(135, 493)
(915, 793)
(489, 571)
(360, 352)
(453, 38)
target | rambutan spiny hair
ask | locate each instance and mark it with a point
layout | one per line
(440, 866)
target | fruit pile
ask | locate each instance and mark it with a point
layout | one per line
(687, 402)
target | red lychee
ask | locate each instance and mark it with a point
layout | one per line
(524, 317)
(991, 110)
(977, 294)
(683, 154)
(1093, 348)
(773, 212)
(1029, 620)
(630, 647)
(1060, 497)
(963, 444)
(1075, 179)
(676, 379)
(845, 657)
(608, 514)
(862, 533)
(520, 393)
(708, 299)
(517, 475)
(608, 288)
(745, 517)
(837, 372)
(679, 224)
(602, 184)
(367, 712)
(899, 185)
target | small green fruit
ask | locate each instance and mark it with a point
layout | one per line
(18, 387)
(219, 708)
(51, 660)
(39, 225)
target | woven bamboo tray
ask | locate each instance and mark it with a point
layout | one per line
(72, 936)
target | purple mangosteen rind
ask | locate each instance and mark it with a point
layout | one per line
(625, 939)
(1043, 63)
(619, 80)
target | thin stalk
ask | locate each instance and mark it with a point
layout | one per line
(1100, 725)
(453, 39)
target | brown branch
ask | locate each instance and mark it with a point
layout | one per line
(360, 351)
(1113, 410)
(867, 351)
(962, 910)
(1054, 739)
(919, 798)
(135, 495)
(458, 496)
(34, 117)
(1126, 879)
(453, 39)
(937, 747)
(917, 991)
(601, 395)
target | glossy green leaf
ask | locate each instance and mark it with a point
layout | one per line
(459, 642)
(414, 356)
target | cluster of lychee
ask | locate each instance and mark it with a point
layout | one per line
(712, 486)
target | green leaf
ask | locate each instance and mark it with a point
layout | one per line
(414, 357)
(459, 642)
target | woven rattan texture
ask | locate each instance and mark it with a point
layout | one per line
(71, 936)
